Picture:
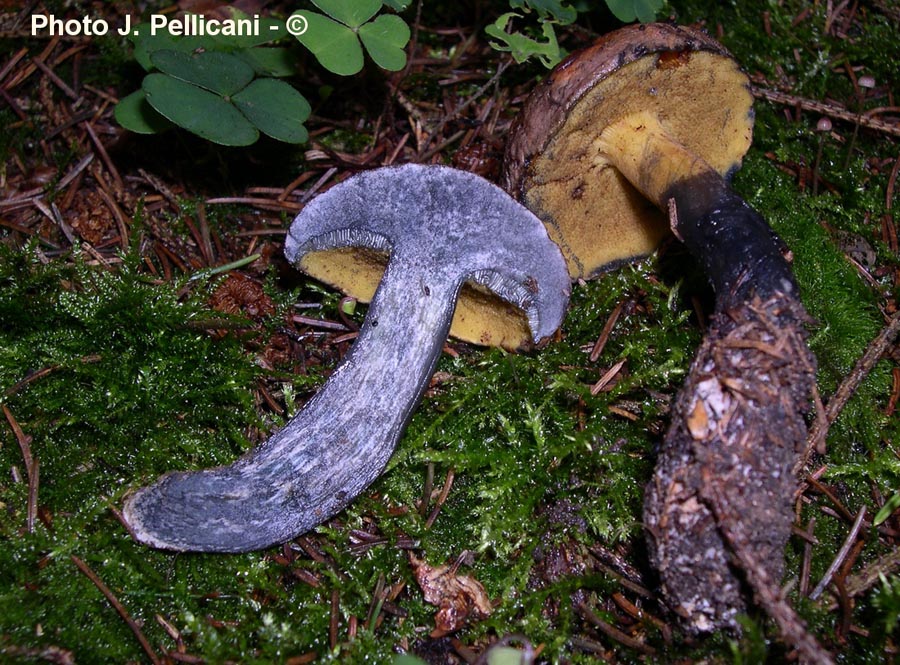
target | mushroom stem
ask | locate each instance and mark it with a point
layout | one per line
(650, 158)
(732, 241)
(723, 479)
(441, 228)
(664, 111)
(335, 447)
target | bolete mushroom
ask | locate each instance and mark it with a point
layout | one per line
(649, 123)
(441, 228)
(555, 163)
(481, 317)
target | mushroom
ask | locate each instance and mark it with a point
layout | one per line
(555, 165)
(648, 124)
(441, 228)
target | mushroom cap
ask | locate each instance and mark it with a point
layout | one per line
(555, 167)
(457, 227)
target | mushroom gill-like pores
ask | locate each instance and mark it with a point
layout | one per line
(552, 164)
(642, 128)
(441, 228)
(481, 316)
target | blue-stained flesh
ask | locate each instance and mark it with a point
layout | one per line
(441, 227)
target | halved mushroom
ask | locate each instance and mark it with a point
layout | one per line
(647, 123)
(553, 164)
(441, 228)
(482, 316)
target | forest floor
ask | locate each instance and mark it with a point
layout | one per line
(149, 322)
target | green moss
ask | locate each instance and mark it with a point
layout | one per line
(344, 140)
(132, 386)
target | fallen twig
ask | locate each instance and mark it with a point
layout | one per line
(841, 555)
(442, 497)
(864, 119)
(608, 376)
(265, 204)
(607, 329)
(459, 109)
(855, 585)
(32, 504)
(132, 624)
(23, 440)
(766, 590)
(614, 633)
(104, 156)
(32, 469)
(850, 384)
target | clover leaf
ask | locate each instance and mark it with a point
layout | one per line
(135, 114)
(397, 5)
(629, 10)
(384, 39)
(271, 61)
(215, 96)
(335, 39)
(275, 108)
(221, 73)
(199, 111)
(352, 14)
(335, 46)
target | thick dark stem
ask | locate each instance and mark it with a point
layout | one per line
(718, 511)
(741, 254)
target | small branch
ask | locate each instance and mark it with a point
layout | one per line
(73, 173)
(23, 439)
(462, 107)
(611, 631)
(31, 507)
(426, 489)
(317, 185)
(841, 555)
(830, 110)
(138, 633)
(58, 82)
(607, 377)
(334, 618)
(104, 156)
(607, 329)
(851, 383)
(32, 469)
(442, 497)
(263, 204)
(765, 590)
(886, 565)
(41, 373)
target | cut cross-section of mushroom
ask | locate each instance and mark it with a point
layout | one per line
(643, 128)
(553, 162)
(482, 315)
(441, 228)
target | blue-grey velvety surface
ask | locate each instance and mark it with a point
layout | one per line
(442, 227)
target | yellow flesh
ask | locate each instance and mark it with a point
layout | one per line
(481, 317)
(648, 156)
(590, 210)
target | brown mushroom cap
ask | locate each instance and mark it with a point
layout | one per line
(556, 167)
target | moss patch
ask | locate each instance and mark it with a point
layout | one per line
(115, 377)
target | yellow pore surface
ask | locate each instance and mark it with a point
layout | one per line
(599, 220)
(481, 317)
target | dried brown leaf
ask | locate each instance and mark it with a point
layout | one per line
(458, 597)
